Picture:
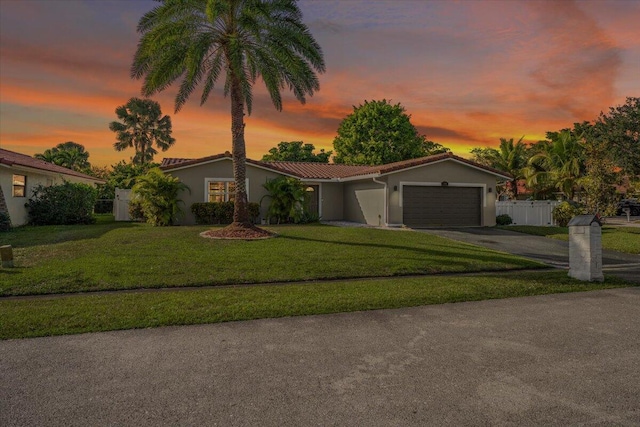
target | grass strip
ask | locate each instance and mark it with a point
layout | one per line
(106, 312)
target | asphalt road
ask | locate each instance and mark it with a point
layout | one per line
(565, 359)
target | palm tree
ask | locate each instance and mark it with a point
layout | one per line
(68, 154)
(141, 126)
(510, 157)
(201, 41)
(560, 162)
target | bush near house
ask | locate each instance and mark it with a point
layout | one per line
(64, 204)
(5, 221)
(504, 219)
(221, 212)
(157, 195)
(563, 213)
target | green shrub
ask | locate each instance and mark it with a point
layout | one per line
(563, 213)
(67, 203)
(221, 212)
(157, 194)
(5, 221)
(135, 210)
(504, 219)
(289, 199)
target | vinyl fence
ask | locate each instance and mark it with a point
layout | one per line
(121, 205)
(523, 212)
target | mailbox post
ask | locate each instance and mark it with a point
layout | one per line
(585, 248)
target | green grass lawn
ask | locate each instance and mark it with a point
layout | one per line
(109, 256)
(79, 313)
(623, 239)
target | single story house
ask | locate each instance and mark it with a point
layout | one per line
(20, 174)
(438, 190)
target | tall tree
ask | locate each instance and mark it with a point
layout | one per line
(242, 40)
(619, 130)
(142, 126)
(559, 161)
(67, 154)
(295, 151)
(510, 157)
(377, 133)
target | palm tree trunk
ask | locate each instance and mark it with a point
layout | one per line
(239, 155)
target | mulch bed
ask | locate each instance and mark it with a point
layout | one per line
(239, 232)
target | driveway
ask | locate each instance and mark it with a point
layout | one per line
(564, 359)
(543, 249)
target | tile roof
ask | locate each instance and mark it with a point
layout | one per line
(11, 158)
(308, 170)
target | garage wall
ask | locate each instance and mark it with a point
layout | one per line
(194, 177)
(433, 174)
(364, 202)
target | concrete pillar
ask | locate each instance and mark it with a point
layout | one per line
(585, 248)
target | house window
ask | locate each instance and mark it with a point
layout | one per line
(19, 186)
(220, 190)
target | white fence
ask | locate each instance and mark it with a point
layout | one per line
(523, 212)
(121, 205)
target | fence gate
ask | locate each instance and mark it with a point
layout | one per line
(523, 212)
(121, 205)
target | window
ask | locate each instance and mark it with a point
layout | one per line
(218, 190)
(19, 186)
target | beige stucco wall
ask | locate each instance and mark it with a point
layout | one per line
(331, 203)
(195, 177)
(15, 205)
(364, 202)
(455, 174)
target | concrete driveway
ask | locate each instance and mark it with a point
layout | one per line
(543, 249)
(565, 359)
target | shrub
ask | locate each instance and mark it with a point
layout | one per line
(504, 219)
(289, 199)
(220, 212)
(563, 213)
(67, 203)
(5, 221)
(135, 210)
(157, 194)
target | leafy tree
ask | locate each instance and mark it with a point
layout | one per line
(142, 126)
(241, 40)
(121, 175)
(619, 130)
(558, 162)
(510, 157)
(289, 199)
(68, 154)
(295, 151)
(157, 194)
(377, 133)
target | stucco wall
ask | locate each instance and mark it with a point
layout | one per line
(364, 202)
(15, 205)
(331, 193)
(452, 172)
(195, 177)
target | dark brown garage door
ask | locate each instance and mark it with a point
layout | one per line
(441, 206)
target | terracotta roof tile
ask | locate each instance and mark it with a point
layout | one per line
(308, 170)
(11, 158)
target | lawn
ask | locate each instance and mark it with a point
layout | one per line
(623, 239)
(79, 313)
(110, 256)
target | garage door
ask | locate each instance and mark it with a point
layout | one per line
(441, 206)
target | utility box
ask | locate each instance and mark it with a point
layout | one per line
(585, 248)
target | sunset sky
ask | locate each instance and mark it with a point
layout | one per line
(468, 72)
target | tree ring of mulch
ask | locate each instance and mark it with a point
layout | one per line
(238, 232)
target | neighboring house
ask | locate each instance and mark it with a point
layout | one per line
(20, 174)
(439, 190)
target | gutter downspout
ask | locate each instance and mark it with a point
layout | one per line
(386, 204)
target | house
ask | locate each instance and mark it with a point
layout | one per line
(20, 174)
(438, 190)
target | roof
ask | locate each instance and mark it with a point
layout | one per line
(309, 170)
(11, 158)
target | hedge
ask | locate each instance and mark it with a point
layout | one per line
(221, 212)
